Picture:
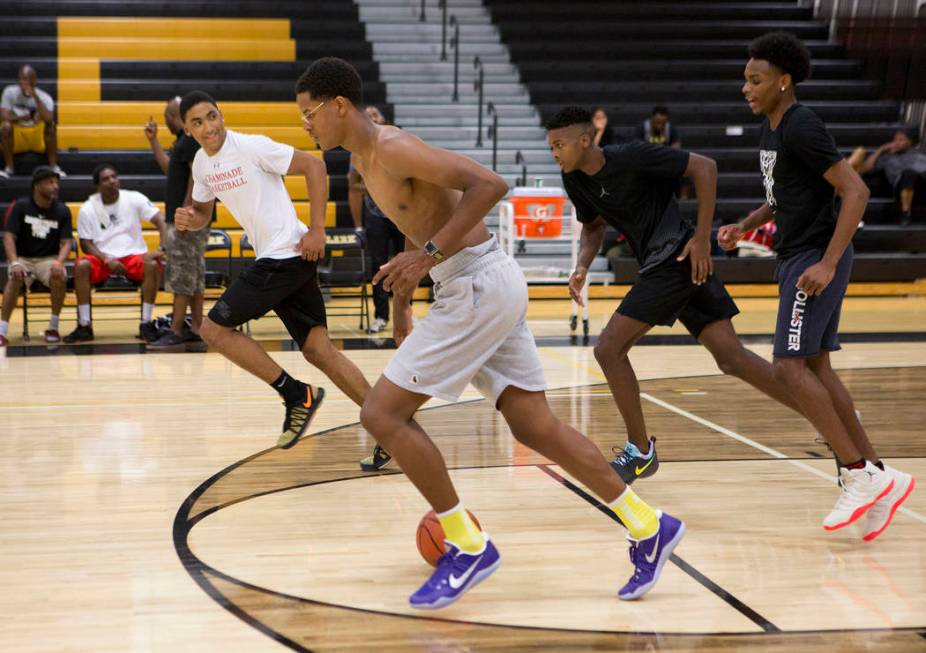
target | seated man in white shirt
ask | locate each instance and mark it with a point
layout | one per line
(109, 229)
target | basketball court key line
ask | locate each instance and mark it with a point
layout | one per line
(725, 431)
(756, 445)
(686, 567)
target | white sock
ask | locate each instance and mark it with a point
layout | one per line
(4, 328)
(146, 311)
(83, 314)
(649, 454)
(53, 323)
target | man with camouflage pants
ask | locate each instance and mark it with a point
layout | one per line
(186, 265)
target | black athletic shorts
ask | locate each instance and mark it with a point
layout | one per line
(665, 294)
(289, 287)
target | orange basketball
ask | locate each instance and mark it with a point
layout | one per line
(430, 537)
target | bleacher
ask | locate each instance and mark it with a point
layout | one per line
(632, 55)
(111, 65)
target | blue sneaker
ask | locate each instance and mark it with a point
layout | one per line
(648, 556)
(456, 573)
(630, 464)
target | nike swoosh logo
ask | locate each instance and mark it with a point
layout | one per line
(456, 582)
(640, 470)
(650, 558)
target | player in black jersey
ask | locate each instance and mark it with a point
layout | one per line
(632, 187)
(803, 172)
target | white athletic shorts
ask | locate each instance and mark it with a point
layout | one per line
(476, 331)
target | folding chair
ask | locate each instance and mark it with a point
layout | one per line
(345, 269)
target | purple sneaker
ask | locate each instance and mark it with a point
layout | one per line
(649, 555)
(456, 573)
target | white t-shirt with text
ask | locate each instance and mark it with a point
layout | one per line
(116, 229)
(247, 175)
(14, 100)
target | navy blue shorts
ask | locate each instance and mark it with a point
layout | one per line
(665, 294)
(807, 324)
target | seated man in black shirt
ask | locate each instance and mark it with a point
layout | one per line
(186, 264)
(632, 187)
(37, 242)
(658, 130)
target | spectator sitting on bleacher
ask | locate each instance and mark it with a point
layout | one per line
(28, 122)
(904, 167)
(37, 242)
(659, 131)
(110, 233)
(604, 133)
(186, 263)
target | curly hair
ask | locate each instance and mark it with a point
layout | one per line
(193, 98)
(568, 116)
(329, 78)
(784, 50)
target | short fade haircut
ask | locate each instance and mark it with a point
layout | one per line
(784, 50)
(98, 171)
(193, 98)
(330, 77)
(568, 116)
(910, 131)
(660, 109)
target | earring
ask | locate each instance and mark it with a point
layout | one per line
(782, 89)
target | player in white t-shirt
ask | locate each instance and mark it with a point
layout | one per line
(110, 233)
(246, 172)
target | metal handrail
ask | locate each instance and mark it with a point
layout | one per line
(478, 87)
(519, 159)
(493, 134)
(455, 44)
(443, 30)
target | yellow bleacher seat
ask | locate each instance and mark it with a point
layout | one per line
(116, 137)
(193, 28)
(224, 220)
(84, 41)
(192, 49)
(237, 115)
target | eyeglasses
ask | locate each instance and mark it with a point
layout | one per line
(308, 116)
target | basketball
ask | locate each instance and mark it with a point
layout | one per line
(430, 537)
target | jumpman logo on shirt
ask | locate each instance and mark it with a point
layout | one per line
(603, 193)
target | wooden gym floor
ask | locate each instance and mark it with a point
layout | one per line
(143, 511)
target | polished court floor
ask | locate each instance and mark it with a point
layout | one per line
(145, 510)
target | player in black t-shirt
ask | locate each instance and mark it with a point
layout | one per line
(803, 172)
(37, 243)
(632, 187)
(186, 265)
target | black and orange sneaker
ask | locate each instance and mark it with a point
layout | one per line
(298, 417)
(375, 461)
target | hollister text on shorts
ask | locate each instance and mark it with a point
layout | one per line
(797, 321)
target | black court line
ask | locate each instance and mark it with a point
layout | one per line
(360, 344)
(706, 582)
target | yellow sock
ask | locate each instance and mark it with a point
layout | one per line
(459, 528)
(638, 517)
